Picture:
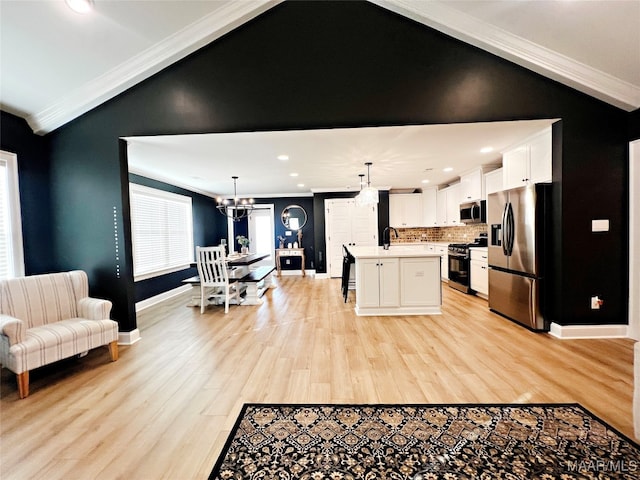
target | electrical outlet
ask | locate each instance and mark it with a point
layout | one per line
(596, 302)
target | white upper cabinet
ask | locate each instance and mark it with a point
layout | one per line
(429, 207)
(453, 205)
(405, 210)
(441, 208)
(448, 206)
(471, 186)
(528, 162)
(540, 157)
(493, 182)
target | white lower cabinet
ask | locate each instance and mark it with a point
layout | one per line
(479, 271)
(398, 286)
(420, 283)
(379, 282)
(443, 250)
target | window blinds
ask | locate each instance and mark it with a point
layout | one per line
(162, 231)
(5, 232)
(11, 251)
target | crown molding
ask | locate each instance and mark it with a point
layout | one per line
(147, 63)
(530, 55)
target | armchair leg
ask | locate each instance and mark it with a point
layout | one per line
(23, 384)
(113, 350)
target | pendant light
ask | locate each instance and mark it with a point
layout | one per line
(368, 195)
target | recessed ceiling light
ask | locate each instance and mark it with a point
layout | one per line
(301, 185)
(293, 174)
(283, 157)
(80, 6)
(425, 181)
(448, 169)
(486, 149)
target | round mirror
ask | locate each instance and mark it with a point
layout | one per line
(294, 217)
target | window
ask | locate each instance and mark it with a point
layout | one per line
(11, 252)
(162, 231)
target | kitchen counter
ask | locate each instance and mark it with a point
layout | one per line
(393, 251)
(403, 280)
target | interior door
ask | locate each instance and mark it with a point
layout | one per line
(364, 225)
(262, 234)
(338, 231)
(347, 224)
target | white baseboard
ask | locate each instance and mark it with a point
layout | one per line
(588, 331)
(297, 273)
(163, 296)
(129, 338)
(322, 276)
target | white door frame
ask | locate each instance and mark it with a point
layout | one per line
(231, 233)
(634, 240)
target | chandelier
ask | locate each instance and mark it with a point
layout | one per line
(368, 195)
(235, 208)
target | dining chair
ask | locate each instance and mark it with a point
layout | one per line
(214, 277)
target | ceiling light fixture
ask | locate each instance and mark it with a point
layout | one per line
(486, 149)
(283, 157)
(293, 174)
(80, 6)
(447, 169)
(368, 195)
(235, 208)
(425, 181)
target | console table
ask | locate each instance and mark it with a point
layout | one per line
(288, 253)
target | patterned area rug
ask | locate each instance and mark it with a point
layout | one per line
(423, 442)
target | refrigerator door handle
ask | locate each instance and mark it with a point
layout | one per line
(510, 229)
(503, 230)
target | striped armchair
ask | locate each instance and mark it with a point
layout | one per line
(46, 318)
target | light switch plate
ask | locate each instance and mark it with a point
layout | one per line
(599, 225)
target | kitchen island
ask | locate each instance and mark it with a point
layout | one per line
(399, 281)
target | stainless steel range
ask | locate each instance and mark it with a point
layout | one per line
(460, 263)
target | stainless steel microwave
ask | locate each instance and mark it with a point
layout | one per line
(473, 212)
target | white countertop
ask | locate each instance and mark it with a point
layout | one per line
(394, 251)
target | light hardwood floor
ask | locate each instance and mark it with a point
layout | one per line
(165, 408)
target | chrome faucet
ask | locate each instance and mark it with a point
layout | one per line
(386, 237)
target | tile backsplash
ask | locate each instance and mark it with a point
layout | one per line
(461, 234)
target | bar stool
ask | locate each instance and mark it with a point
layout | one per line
(348, 282)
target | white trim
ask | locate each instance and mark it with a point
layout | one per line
(394, 311)
(322, 276)
(16, 245)
(530, 55)
(129, 338)
(572, 332)
(149, 302)
(634, 240)
(298, 273)
(147, 63)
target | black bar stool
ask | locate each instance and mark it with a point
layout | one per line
(347, 261)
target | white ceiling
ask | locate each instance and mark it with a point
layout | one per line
(324, 160)
(56, 64)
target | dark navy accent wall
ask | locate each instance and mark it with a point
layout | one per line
(634, 125)
(308, 240)
(33, 178)
(348, 64)
(208, 228)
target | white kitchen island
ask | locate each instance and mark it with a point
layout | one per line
(398, 281)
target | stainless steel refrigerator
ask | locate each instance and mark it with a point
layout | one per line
(517, 220)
